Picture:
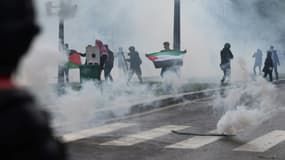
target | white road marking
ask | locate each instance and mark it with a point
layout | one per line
(95, 131)
(263, 143)
(195, 142)
(144, 136)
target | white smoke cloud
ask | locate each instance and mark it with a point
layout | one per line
(206, 26)
(249, 105)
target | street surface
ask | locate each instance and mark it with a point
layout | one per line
(149, 137)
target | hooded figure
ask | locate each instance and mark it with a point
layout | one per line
(103, 54)
(226, 57)
(25, 127)
(109, 64)
(275, 60)
(268, 66)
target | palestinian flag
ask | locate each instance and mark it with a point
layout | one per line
(166, 58)
(74, 61)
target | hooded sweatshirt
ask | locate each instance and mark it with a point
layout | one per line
(102, 48)
(25, 131)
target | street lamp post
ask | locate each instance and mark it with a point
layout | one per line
(63, 11)
(177, 27)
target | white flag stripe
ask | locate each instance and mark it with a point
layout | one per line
(195, 142)
(144, 136)
(168, 57)
(263, 143)
(95, 131)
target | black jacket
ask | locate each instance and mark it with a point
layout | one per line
(226, 56)
(135, 60)
(268, 64)
(110, 60)
(25, 131)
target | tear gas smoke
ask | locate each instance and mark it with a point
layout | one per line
(135, 22)
(247, 106)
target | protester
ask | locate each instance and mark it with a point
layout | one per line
(275, 60)
(258, 61)
(109, 64)
(135, 63)
(268, 66)
(171, 64)
(166, 46)
(103, 54)
(25, 127)
(226, 57)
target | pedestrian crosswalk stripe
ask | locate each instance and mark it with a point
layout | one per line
(144, 136)
(95, 131)
(195, 142)
(263, 143)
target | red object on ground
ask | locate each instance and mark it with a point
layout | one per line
(75, 58)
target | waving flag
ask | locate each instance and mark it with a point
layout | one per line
(74, 60)
(166, 58)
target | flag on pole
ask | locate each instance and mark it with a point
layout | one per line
(166, 58)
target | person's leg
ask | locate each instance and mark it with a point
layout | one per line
(276, 72)
(110, 76)
(270, 76)
(66, 72)
(229, 74)
(265, 74)
(259, 67)
(254, 69)
(131, 73)
(224, 76)
(162, 71)
(139, 74)
(106, 73)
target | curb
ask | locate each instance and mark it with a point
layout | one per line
(171, 100)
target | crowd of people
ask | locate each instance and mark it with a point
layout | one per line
(271, 63)
(100, 54)
(132, 65)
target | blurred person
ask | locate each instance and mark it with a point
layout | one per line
(173, 66)
(268, 66)
(258, 61)
(122, 63)
(109, 64)
(166, 47)
(226, 57)
(275, 60)
(135, 63)
(103, 55)
(25, 127)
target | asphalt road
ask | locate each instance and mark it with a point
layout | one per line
(149, 137)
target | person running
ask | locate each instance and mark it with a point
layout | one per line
(26, 131)
(258, 61)
(135, 63)
(109, 64)
(226, 57)
(268, 66)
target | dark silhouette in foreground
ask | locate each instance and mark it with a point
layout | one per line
(25, 128)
